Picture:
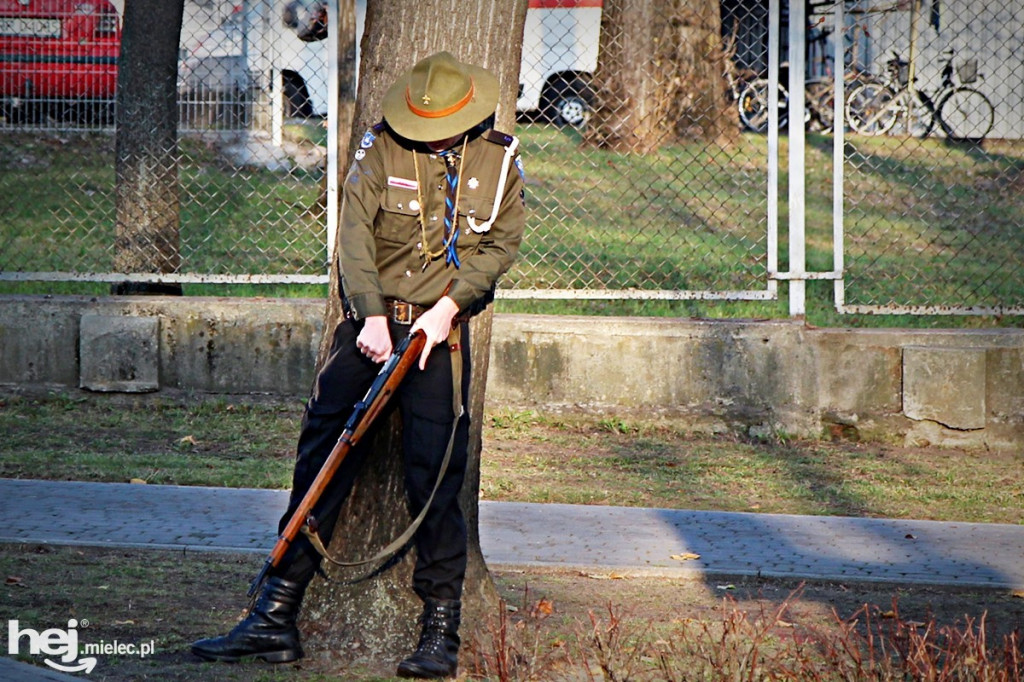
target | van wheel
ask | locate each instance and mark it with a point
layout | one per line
(568, 102)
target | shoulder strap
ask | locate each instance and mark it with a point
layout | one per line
(510, 142)
(498, 137)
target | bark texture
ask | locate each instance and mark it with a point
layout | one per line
(372, 622)
(147, 190)
(660, 76)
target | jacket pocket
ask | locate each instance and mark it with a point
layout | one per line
(400, 213)
(477, 207)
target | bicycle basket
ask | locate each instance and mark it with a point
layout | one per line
(967, 70)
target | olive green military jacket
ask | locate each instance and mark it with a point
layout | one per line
(393, 214)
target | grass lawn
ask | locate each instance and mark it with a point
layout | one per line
(926, 223)
(527, 457)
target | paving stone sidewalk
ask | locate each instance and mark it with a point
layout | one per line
(587, 538)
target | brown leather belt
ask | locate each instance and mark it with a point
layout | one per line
(403, 312)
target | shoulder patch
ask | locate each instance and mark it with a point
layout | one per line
(498, 137)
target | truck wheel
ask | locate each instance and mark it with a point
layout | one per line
(568, 102)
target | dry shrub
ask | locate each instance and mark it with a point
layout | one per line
(886, 647)
(742, 645)
(616, 647)
(515, 645)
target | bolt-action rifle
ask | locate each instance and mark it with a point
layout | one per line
(364, 413)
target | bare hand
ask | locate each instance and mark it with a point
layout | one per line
(436, 324)
(374, 341)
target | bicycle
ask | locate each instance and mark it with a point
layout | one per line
(753, 102)
(749, 90)
(821, 96)
(898, 105)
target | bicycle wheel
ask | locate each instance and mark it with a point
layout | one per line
(915, 115)
(753, 105)
(870, 109)
(820, 102)
(966, 114)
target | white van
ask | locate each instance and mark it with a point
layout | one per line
(560, 44)
(229, 46)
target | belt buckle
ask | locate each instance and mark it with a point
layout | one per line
(401, 312)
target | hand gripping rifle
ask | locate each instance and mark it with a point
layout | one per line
(363, 414)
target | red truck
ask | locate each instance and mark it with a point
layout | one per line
(58, 51)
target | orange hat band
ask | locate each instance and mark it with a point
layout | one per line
(440, 113)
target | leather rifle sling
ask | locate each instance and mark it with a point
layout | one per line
(455, 348)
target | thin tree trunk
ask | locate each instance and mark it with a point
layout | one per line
(373, 622)
(147, 191)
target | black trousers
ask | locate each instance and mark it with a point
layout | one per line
(425, 400)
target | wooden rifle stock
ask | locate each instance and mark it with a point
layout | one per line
(363, 414)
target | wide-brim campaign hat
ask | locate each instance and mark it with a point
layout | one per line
(440, 98)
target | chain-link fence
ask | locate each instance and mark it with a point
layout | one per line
(643, 181)
(684, 218)
(934, 162)
(250, 158)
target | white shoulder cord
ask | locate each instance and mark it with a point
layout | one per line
(510, 151)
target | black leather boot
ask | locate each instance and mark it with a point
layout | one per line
(267, 633)
(438, 652)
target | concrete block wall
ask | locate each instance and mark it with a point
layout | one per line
(209, 345)
(951, 387)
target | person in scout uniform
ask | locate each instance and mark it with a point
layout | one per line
(432, 214)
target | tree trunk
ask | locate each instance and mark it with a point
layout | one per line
(660, 76)
(348, 45)
(147, 192)
(373, 622)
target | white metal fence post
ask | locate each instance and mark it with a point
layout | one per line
(797, 246)
(332, 128)
(773, 145)
(838, 154)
